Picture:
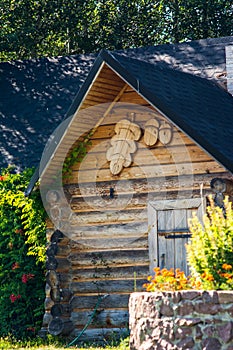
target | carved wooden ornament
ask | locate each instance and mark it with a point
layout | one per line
(123, 145)
(151, 132)
(165, 133)
(154, 132)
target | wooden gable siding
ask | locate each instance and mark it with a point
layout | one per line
(110, 253)
(105, 88)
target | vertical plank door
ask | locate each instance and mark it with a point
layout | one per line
(169, 232)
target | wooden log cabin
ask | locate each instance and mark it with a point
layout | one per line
(135, 157)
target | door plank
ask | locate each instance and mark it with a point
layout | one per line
(152, 238)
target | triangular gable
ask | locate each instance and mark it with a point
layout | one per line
(196, 106)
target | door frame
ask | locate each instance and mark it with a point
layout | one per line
(173, 204)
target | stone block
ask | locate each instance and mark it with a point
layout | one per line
(192, 321)
(190, 294)
(208, 309)
(225, 297)
(199, 334)
(182, 333)
(166, 310)
(186, 343)
(185, 309)
(209, 331)
(211, 344)
(225, 332)
(210, 296)
(163, 344)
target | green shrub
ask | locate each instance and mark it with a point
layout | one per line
(210, 250)
(22, 256)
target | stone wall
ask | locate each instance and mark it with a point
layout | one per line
(198, 320)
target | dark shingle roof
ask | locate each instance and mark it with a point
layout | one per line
(34, 98)
(36, 94)
(200, 108)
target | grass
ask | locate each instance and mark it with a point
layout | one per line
(53, 344)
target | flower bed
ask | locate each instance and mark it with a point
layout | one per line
(185, 319)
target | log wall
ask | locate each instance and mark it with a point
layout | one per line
(108, 253)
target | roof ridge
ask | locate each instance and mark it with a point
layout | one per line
(193, 43)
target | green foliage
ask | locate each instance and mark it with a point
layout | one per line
(56, 343)
(209, 251)
(32, 28)
(76, 155)
(22, 256)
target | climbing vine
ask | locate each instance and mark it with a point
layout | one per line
(76, 155)
(22, 255)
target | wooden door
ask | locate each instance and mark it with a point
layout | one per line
(169, 232)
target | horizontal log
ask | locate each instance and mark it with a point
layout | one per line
(66, 294)
(142, 185)
(109, 258)
(63, 250)
(115, 216)
(107, 286)
(111, 273)
(102, 318)
(135, 204)
(136, 229)
(59, 326)
(111, 243)
(112, 301)
(148, 172)
(100, 334)
(63, 264)
(65, 279)
(59, 310)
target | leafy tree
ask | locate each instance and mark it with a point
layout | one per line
(32, 28)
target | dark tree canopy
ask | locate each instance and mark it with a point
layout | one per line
(36, 28)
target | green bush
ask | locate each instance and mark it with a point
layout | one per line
(22, 256)
(210, 250)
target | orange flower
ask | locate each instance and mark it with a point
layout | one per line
(226, 275)
(210, 278)
(226, 266)
(204, 275)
